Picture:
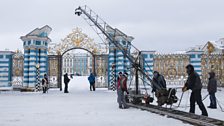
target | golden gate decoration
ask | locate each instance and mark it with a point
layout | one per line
(172, 66)
(215, 63)
(77, 40)
(17, 67)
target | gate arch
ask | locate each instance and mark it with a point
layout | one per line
(77, 48)
(75, 40)
(93, 55)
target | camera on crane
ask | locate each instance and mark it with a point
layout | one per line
(78, 11)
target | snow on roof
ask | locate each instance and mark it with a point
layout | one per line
(180, 52)
(41, 32)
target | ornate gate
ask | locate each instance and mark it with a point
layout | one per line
(215, 63)
(101, 70)
(77, 40)
(54, 71)
(17, 74)
(172, 66)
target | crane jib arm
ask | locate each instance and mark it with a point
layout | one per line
(94, 19)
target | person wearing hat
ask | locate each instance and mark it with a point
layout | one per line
(212, 88)
(124, 82)
(158, 81)
(119, 95)
(118, 79)
(121, 88)
(91, 80)
(66, 81)
(194, 83)
(45, 83)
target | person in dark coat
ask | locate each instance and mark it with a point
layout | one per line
(158, 81)
(91, 79)
(45, 83)
(194, 83)
(212, 88)
(66, 81)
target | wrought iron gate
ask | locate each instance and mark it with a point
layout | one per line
(101, 67)
(17, 74)
(55, 71)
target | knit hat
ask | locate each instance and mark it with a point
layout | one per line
(126, 74)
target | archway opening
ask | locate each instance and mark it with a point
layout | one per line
(78, 63)
(96, 57)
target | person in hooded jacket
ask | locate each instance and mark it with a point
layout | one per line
(66, 81)
(91, 79)
(194, 83)
(212, 88)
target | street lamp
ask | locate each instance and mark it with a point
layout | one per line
(37, 77)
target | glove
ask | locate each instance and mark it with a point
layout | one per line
(153, 90)
(127, 92)
(184, 89)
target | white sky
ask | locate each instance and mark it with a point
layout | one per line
(165, 26)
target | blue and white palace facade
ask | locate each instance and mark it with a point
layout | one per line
(195, 60)
(35, 61)
(117, 61)
(35, 46)
(6, 68)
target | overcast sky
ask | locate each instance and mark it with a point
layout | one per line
(162, 25)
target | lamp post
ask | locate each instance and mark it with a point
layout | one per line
(113, 78)
(37, 86)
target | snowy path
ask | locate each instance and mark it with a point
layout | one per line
(80, 107)
(214, 113)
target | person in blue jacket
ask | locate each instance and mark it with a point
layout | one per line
(91, 79)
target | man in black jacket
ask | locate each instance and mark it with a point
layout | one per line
(194, 83)
(66, 81)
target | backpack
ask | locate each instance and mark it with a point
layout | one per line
(123, 83)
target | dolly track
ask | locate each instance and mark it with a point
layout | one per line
(180, 115)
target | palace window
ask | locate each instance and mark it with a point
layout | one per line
(7, 56)
(38, 43)
(124, 42)
(192, 56)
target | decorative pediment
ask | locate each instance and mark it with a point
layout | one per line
(75, 40)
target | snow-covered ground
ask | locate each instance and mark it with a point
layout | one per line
(214, 113)
(81, 107)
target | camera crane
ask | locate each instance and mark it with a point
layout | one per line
(100, 27)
